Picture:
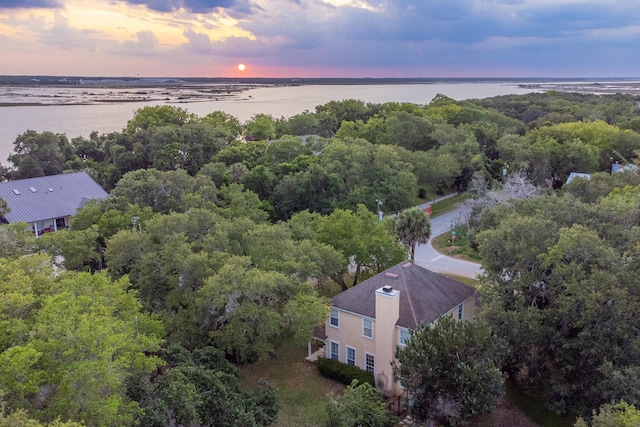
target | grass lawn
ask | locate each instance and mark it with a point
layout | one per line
(443, 244)
(302, 392)
(449, 204)
(303, 395)
(474, 283)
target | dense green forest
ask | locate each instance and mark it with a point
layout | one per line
(222, 241)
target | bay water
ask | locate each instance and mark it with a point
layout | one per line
(278, 101)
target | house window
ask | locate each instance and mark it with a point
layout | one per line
(369, 362)
(60, 223)
(367, 328)
(334, 319)
(460, 311)
(335, 350)
(404, 337)
(351, 356)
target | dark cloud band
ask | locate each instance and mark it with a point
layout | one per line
(234, 7)
(30, 4)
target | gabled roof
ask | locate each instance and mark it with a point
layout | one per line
(617, 167)
(46, 197)
(574, 175)
(424, 295)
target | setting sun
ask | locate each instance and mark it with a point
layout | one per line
(241, 67)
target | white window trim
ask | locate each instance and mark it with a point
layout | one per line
(346, 355)
(460, 315)
(400, 331)
(331, 310)
(365, 362)
(331, 349)
(363, 334)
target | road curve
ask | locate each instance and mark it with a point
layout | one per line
(431, 259)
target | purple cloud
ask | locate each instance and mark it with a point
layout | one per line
(412, 37)
(144, 43)
(30, 4)
(232, 7)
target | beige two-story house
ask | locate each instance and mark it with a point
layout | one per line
(368, 321)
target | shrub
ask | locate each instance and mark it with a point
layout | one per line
(361, 405)
(342, 372)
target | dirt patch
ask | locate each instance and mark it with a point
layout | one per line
(505, 415)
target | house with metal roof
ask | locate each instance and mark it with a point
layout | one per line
(629, 167)
(574, 175)
(368, 321)
(46, 203)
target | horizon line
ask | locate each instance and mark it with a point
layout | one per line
(321, 78)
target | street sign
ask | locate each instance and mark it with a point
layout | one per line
(453, 233)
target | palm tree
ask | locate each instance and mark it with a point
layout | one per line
(413, 226)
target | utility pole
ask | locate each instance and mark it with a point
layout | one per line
(378, 206)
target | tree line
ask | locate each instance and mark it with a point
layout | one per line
(228, 238)
(349, 152)
(561, 287)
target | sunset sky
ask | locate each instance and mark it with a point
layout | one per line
(321, 38)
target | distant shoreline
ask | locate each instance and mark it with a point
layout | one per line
(96, 94)
(18, 91)
(127, 82)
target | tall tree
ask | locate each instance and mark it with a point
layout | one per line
(202, 388)
(39, 154)
(77, 250)
(365, 172)
(250, 312)
(345, 110)
(158, 115)
(261, 127)
(413, 226)
(560, 287)
(314, 189)
(70, 342)
(21, 418)
(619, 414)
(305, 123)
(164, 191)
(361, 239)
(223, 120)
(433, 167)
(451, 370)
(16, 240)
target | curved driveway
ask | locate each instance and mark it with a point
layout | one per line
(429, 258)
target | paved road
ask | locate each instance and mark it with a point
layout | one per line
(428, 257)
